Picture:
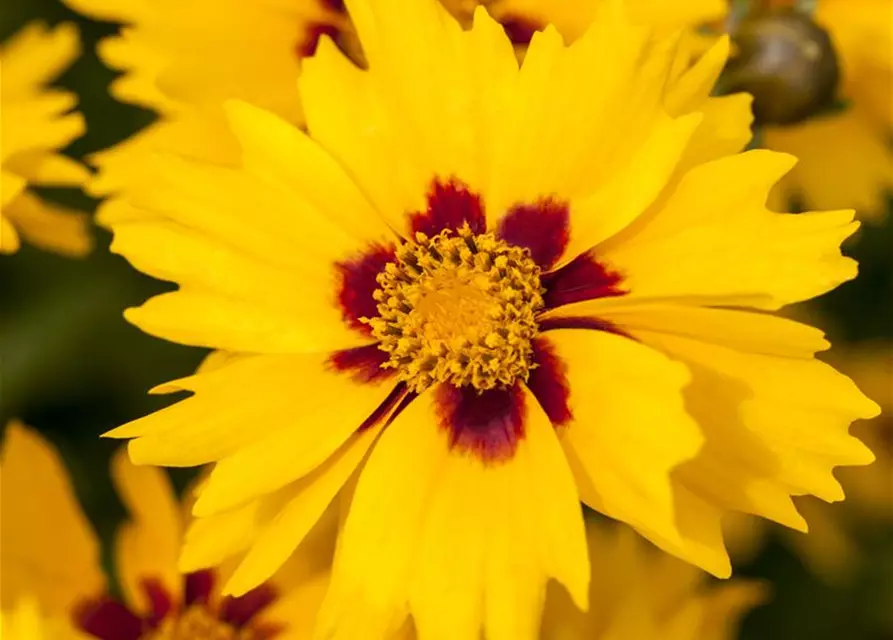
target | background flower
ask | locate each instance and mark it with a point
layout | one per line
(36, 122)
(52, 580)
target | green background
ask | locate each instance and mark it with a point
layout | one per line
(73, 368)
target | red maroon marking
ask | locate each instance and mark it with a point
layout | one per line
(108, 619)
(395, 399)
(309, 43)
(363, 363)
(584, 278)
(520, 30)
(160, 601)
(582, 322)
(357, 284)
(548, 383)
(450, 204)
(486, 424)
(542, 227)
(335, 5)
(197, 587)
(241, 610)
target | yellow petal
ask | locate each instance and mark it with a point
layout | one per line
(627, 406)
(798, 410)
(223, 278)
(194, 133)
(378, 545)
(630, 193)
(11, 186)
(253, 215)
(148, 544)
(50, 226)
(536, 532)
(9, 238)
(292, 448)
(345, 115)
(725, 129)
(727, 605)
(743, 330)
(49, 550)
(195, 431)
(26, 621)
(40, 122)
(49, 169)
(35, 55)
(310, 497)
(859, 176)
(493, 535)
(717, 217)
(208, 319)
(282, 154)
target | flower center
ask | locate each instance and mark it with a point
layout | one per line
(198, 623)
(459, 308)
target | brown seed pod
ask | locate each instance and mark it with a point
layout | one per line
(787, 62)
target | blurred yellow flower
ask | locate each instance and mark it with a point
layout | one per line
(475, 295)
(642, 594)
(52, 581)
(25, 621)
(35, 122)
(183, 58)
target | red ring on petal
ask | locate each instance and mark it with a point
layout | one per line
(357, 284)
(485, 424)
(450, 205)
(542, 227)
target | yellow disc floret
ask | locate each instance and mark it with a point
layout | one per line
(458, 308)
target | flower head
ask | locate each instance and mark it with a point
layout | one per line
(472, 295)
(36, 123)
(52, 578)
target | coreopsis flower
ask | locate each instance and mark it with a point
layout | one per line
(52, 581)
(26, 622)
(643, 594)
(182, 58)
(831, 549)
(36, 122)
(472, 295)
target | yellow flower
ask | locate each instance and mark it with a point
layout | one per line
(486, 294)
(643, 594)
(36, 122)
(831, 550)
(52, 577)
(26, 622)
(179, 54)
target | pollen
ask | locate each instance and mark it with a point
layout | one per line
(199, 623)
(460, 308)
